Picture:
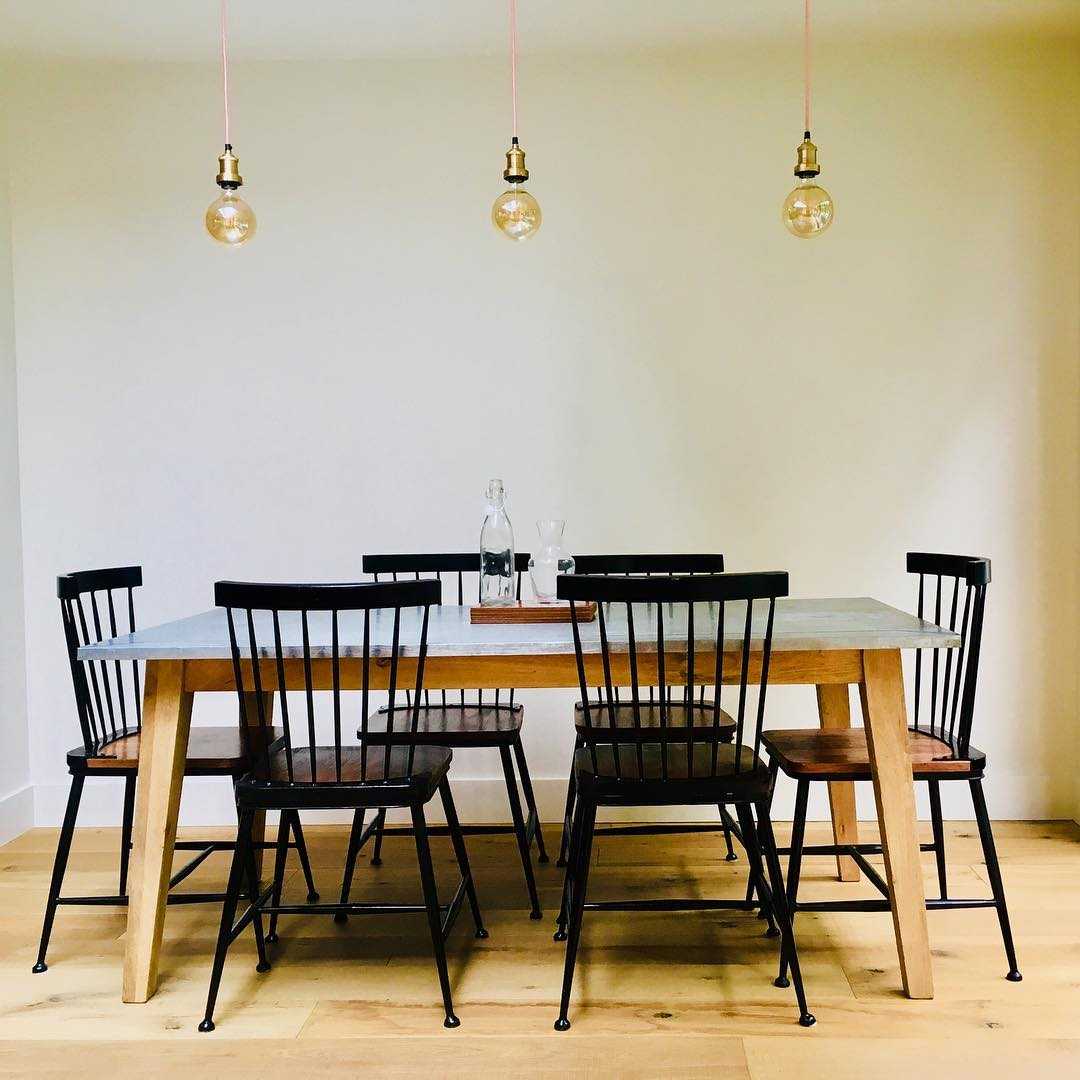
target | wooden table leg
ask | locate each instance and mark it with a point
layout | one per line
(834, 713)
(251, 715)
(885, 716)
(166, 721)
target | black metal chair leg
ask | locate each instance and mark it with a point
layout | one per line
(730, 856)
(281, 854)
(519, 830)
(568, 813)
(228, 916)
(939, 836)
(256, 917)
(756, 869)
(568, 876)
(530, 799)
(798, 831)
(431, 900)
(783, 916)
(765, 910)
(350, 861)
(585, 823)
(751, 886)
(302, 854)
(458, 840)
(126, 830)
(986, 833)
(380, 824)
(63, 849)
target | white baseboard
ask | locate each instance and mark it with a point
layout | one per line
(16, 813)
(209, 801)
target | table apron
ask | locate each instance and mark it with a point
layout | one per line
(550, 670)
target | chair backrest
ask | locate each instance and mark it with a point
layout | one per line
(625, 565)
(457, 566)
(649, 616)
(109, 705)
(461, 569)
(649, 564)
(275, 628)
(951, 682)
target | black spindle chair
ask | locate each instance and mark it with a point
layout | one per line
(939, 741)
(680, 761)
(96, 605)
(459, 719)
(649, 565)
(278, 631)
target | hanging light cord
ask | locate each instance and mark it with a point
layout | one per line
(806, 67)
(513, 67)
(225, 68)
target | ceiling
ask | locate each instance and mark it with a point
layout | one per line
(287, 29)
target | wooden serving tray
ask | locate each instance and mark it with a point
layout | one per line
(532, 613)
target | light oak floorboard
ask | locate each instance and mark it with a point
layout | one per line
(684, 994)
(928, 1059)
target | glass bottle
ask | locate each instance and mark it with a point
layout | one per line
(496, 550)
(550, 560)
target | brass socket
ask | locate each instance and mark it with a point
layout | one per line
(515, 171)
(806, 164)
(228, 175)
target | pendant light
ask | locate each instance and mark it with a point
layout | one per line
(228, 218)
(808, 211)
(516, 213)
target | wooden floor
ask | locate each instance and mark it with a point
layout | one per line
(683, 995)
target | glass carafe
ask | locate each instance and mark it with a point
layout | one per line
(496, 550)
(550, 560)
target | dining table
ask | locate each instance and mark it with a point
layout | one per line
(828, 643)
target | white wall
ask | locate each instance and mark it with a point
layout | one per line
(16, 792)
(663, 365)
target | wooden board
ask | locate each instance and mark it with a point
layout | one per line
(532, 613)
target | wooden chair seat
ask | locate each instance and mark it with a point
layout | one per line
(413, 775)
(680, 784)
(844, 755)
(649, 717)
(211, 750)
(452, 725)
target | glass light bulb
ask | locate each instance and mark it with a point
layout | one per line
(516, 213)
(808, 210)
(229, 219)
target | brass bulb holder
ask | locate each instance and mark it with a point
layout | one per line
(806, 164)
(228, 176)
(515, 171)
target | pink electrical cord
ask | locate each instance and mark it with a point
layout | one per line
(513, 65)
(225, 67)
(806, 65)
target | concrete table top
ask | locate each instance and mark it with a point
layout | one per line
(800, 625)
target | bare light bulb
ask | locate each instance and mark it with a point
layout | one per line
(516, 213)
(229, 219)
(808, 210)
